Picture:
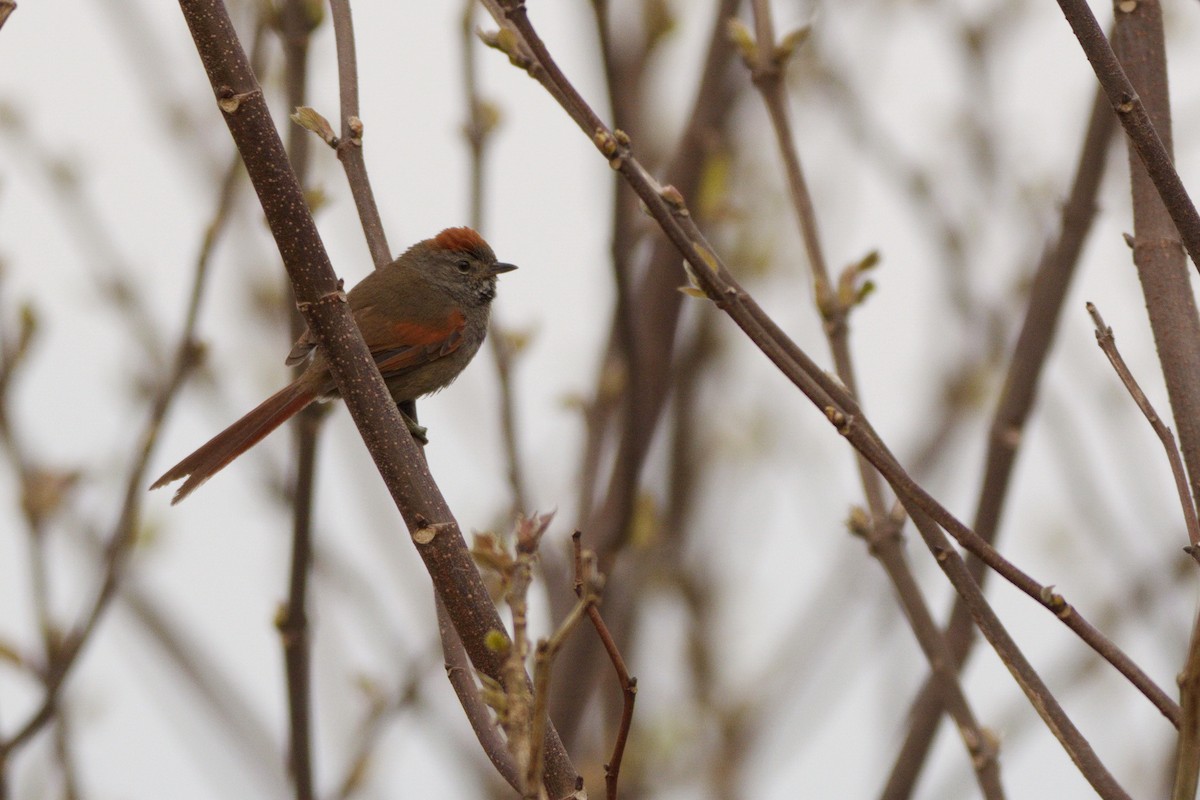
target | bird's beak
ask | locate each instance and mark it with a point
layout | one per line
(500, 266)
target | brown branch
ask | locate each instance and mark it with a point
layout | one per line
(1051, 280)
(349, 147)
(667, 206)
(436, 534)
(295, 22)
(118, 546)
(518, 717)
(1162, 213)
(7, 7)
(1187, 756)
(1040, 696)
(766, 59)
(1143, 133)
(612, 770)
(481, 122)
(1108, 343)
(543, 662)
(462, 679)
(292, 619)
(1161, 266)
(1187, 768)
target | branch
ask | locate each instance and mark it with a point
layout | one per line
(482, 119)
(295, 22)
(119, 544)
(321, 300)
(666, 205)
(1134, 118)
(584, 577)
(462, 679)
(766, 59)
(1051, 280)
(349, 146)
(1108, 343)
(1188, 756)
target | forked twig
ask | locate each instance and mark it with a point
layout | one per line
(584, 568)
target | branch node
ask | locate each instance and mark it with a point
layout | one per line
(338, 295)
(672, 197)
(840, 420)
(614, 145)
(230, 102)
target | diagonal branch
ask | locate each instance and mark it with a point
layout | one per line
(766, 59)
(322, 302)
(1134, 117)
(1051, 280)
(667, 206)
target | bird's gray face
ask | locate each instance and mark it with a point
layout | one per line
(471, 276)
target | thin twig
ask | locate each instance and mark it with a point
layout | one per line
(1108, 343)
(518, 717)
(1187, 767)
(543, 663)
(350, 144)
(612, 770)
(477, 130)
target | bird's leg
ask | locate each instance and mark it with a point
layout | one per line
(408, 410)
(418, 431)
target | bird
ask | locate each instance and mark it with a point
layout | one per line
(423, 317)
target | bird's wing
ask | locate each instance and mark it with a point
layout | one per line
(401, 346)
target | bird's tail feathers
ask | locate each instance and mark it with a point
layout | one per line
(239, 437)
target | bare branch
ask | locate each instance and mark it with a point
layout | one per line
(1143, 136)
(349, 148)
(430, 521)
(1051, 280)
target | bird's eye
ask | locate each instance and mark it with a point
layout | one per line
(463, 265)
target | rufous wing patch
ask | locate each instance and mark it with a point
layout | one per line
(418, 334)
(413, 344)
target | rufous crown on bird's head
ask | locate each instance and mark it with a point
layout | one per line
(464, 240)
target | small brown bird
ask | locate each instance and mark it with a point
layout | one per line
(423, 317)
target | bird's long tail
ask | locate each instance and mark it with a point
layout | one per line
(239, 437)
